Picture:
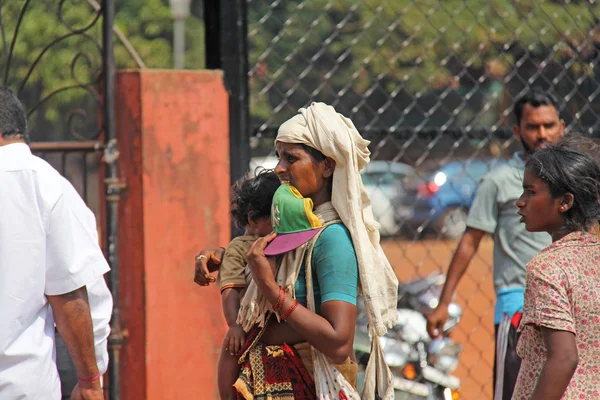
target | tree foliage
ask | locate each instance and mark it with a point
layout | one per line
(56, 61)
(387, 64)
(426, 63)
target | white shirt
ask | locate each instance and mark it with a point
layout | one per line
(48, 246)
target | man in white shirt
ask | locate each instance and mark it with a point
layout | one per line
(51, 271)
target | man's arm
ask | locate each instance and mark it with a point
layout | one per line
(483, 217)
(460, 261)
(101, 305)
(74, 322)
(74, 259)
(560, 365)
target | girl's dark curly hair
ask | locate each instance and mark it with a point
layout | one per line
(252, 197)
(571, 166)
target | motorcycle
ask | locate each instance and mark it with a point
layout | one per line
(421, 366)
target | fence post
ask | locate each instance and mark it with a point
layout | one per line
(226, 24)
(113, 193)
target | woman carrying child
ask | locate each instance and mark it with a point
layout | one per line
(560, 341)
(301, 330)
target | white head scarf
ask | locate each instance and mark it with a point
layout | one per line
(321, 127)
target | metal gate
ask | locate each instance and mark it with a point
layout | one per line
(58, 59)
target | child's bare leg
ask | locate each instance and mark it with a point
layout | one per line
(229, 371)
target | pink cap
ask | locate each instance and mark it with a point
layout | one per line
(285, 242)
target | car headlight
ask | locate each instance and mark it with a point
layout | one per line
(443, 354)
(440, 178)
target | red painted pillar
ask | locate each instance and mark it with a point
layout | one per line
(173, 138)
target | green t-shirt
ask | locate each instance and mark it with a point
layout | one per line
(334, 266)
(494, 211)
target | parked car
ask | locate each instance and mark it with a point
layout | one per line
(442, 201)
(386, 184)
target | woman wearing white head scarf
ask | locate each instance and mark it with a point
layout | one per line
(321, 154)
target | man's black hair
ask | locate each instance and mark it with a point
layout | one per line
(252, 197)
(536, 97)
(13, 121)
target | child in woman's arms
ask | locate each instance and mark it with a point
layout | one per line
(251, 209)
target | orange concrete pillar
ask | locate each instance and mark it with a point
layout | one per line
(173, 138)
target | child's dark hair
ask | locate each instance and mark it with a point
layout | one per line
(571, 166)
(252, 197)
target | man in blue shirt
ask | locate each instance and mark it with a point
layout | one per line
(494, 212)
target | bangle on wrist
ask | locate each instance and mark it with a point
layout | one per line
(90, 380)
(280, 300)
(290, 310)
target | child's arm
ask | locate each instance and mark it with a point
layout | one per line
(230, 299)
(234, 340)
(231, 281)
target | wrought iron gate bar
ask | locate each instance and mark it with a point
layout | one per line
(14, 41)
(113, 188)
(49, 147)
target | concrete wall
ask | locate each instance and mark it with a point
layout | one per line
(173, 137)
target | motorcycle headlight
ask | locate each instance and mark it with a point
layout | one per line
(396, 353)
(428, 300)
(454, 314)
(443, 354)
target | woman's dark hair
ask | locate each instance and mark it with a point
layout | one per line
(316, 154)
(252, 197)
(571, 166)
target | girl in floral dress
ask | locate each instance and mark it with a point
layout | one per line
(560, 340)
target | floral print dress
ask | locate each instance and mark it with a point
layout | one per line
(563, 293)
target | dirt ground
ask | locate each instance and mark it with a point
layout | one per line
(415, 259)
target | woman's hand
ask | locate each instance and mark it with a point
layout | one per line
(209, 260)
(261, 268)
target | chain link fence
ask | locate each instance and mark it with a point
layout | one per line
(431, 84)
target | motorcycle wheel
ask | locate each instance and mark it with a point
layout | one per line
(437, 393)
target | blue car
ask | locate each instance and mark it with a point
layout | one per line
(441, 202)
